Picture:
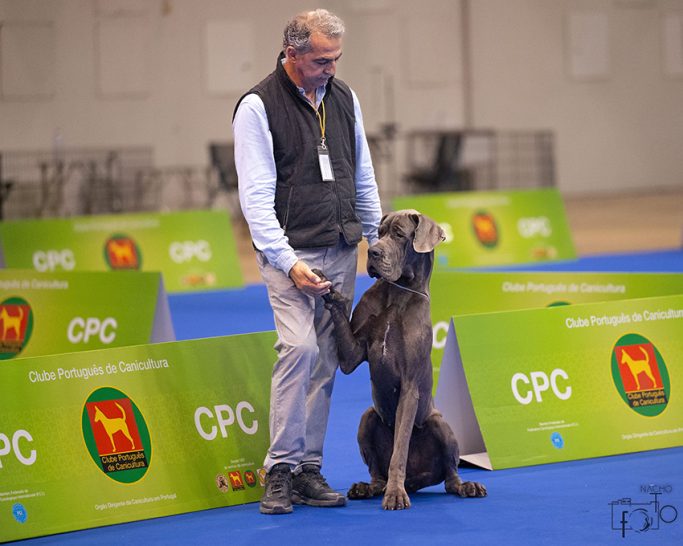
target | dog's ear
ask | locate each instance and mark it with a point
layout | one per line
(383, 222)
(428, 234)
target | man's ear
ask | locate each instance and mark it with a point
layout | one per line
(290, 54)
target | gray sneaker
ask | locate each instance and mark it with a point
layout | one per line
(277, 496)
(309, 487)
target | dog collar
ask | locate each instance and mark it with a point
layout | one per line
(423, 294)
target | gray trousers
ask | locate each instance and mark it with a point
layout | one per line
(303, 376)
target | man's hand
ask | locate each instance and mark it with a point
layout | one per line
(307, 281)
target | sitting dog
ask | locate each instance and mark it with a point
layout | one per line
(403, 439)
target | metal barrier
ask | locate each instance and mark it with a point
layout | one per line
(174, 188)
(477, 159)
(69, 182)
(76, 182)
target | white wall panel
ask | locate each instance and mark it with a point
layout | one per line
(229, 56)
(672, 44)
(27, 60)
(122, 57)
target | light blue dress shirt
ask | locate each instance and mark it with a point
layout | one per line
(257, 178)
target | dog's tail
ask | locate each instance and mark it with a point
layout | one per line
(645, 354)
(123, 412)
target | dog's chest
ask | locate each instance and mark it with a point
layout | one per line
(388, 343)
(392, 323)
(383, 365)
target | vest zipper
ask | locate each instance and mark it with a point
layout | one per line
(289, 200)
(339, 209)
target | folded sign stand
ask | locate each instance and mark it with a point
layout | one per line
(102, 437)
(50, 313)
(547, 385)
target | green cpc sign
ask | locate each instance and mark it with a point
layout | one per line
(535, 386)
(467, 292)
(194, 250)
(121, 434)
(50, 313)
(496, 228)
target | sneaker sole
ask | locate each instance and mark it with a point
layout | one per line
(300, 499)
(275, 510)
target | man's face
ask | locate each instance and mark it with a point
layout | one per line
(314, 68)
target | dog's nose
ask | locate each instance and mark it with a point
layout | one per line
(374, 252)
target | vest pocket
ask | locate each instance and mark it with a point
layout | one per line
(351, 224)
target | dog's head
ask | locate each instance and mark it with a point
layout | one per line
(405, 236)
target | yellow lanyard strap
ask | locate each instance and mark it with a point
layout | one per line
(321, 121)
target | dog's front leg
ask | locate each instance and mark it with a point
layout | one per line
(395, 497)
(351, 351)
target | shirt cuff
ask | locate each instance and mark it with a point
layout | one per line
(286, 261)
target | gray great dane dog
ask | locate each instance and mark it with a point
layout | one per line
(403, 439)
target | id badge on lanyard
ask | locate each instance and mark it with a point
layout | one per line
(323, 152)
(325, 163)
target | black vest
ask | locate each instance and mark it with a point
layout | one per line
(312, 212)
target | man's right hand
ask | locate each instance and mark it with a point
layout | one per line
(307, 281)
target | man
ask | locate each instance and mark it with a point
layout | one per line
(308, 192)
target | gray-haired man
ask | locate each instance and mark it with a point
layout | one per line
(308, 192)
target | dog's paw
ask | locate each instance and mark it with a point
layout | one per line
(360, 490)
(396, 498)
(320, 274)
(471, 489)
(332, 295)
(332, 298)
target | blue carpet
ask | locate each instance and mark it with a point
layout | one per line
(564, 503)
(663, 261)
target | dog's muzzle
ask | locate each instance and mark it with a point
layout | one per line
(382, 264)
